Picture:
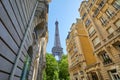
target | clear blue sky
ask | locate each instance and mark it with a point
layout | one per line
(66, 12)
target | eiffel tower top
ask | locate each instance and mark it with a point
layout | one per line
(56, 23)
(57, 37)
(57, 50)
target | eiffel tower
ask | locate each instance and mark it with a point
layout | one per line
(57, 50)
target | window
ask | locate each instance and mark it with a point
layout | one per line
(109, 13)
(75, 50)
(90, 5)
(96, 41)
(84, 16)
(87, 23)
(110, 30)
(91, 31)
(96, 12)
(116, 4)
(94, 76)
(117, 45)
(117, 23)
(103, 20)
(114, 74)
(101, 4)
(106, 59)
(76, 79)
(81, 72)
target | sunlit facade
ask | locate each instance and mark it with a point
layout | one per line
(101, 20)
(80, 52)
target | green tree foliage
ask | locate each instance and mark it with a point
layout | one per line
(51, 67)
(56, 75)
(63, 68)
(44, 75)
(56, 70)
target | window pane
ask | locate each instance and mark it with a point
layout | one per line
(96, 41)
(118, 1)
(117, 23)
(103, 20)
(87, 23)
(109, 13)
(110, 30)
(91, 30)
(116, 4)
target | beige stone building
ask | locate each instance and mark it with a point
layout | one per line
(101, 20)
(80, 53)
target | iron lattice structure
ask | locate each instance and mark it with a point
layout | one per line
(57, 50)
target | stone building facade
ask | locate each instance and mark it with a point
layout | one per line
(80, 53)
(101, 20)
(23, 39)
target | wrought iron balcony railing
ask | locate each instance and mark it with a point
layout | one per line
(117, 31)
(107, 61)
(91, 34)
(98, 45)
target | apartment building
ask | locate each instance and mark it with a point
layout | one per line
(80, 53)
(23, 39)
(101, 20)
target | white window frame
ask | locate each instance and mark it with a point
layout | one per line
(91, 30)
(109, 13)
(110, 30)
(116, 4)
(103, 20)
(96, 41)
(117, 23)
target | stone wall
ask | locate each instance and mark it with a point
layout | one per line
(18, 37)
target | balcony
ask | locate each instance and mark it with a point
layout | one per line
(116, 5)
(110, 16)
(111, 35)
(77, 63)
(107, 62)
(104, 22)
(75, 74)
(92, 33)
(72, 55)
(98, 45)
(117, 31)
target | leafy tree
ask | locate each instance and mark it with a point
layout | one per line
(56, 75)
(51, 67)
(44, 75)
(56, 70)
(63, 68)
